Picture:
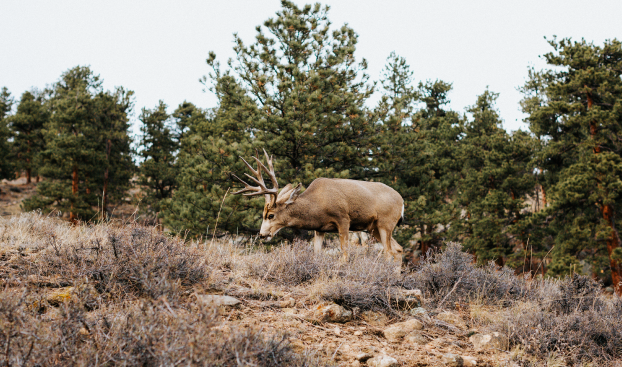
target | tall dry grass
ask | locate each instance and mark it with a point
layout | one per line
(131, 301)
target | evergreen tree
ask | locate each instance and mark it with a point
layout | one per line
(209, 152)
(495, 177)
(575, 110)
(86, 154)
(297, 92)
(158, 172)
(310, 93)
(7, 169)
(429, 182)
(112, 118)
(27, 125)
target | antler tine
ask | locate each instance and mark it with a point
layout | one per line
(254, 190)
(270, 171)
(246, 188)
(249, 190)
(257, 172)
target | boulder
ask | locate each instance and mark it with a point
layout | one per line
(216, 300)
(332, 313)
(382, 361)
(493, 340)
(452, 360)
(415, 337)
(396, 332)
(453, 319)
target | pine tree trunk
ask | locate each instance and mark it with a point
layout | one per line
(28, 170)
(74, 192)
(106, 179)
(613, 241)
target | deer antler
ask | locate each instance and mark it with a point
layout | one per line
(248, 190)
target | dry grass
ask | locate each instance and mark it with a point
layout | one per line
(132, 304)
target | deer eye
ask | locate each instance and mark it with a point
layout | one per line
(271, 216)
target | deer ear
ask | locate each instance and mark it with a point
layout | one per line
(294, 194)
(284, 193)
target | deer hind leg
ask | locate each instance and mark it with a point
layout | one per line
(318, 240)
(398, 251)
(344, 230)
(392, 249)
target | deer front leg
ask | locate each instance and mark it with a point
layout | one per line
(318, 240)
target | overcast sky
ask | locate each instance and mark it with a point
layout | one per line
(158, 48)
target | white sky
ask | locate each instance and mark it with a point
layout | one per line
(158, 48)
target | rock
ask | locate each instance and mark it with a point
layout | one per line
(452, 360)
(374, 318)
(397, 331)
(59, 295)
(332, 313)
(362, 357)
(469, 361)
(382, 361)
(493, 340)
(288, 303)
(337, 330)
(452, 318)
(215, 300)
(415, 337)
(358, 333)
(355, 364)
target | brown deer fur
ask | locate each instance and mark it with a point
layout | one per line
(330, 205)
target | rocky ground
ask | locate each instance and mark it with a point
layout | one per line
(107, 294)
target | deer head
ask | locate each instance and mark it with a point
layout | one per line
(274, 215)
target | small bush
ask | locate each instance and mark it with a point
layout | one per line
(154, 333)
(452, 276)
(119, 261)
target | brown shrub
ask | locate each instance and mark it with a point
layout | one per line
(152, 333)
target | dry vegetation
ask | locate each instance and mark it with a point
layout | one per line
(128, 295)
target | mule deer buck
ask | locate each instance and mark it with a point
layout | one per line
(328, 205)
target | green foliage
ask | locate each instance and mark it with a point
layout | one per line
(495, 177)
(299, 93)
(159, 144)
(7, 169)
(86, 158)
(575, 110)
(27, 125)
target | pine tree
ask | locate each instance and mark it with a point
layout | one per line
(299, 93)
(427, 170)
(310, 93)
(86, 153)
(7, 169)
(158, 172)
(112, 117)
(27, 125)
(209, 152)
(575, 109)
(495, 177)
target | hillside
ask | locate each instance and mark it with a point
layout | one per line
(104, 294)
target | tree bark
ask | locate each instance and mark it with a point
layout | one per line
(74, 192)
(106, 177)
(607, 210)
